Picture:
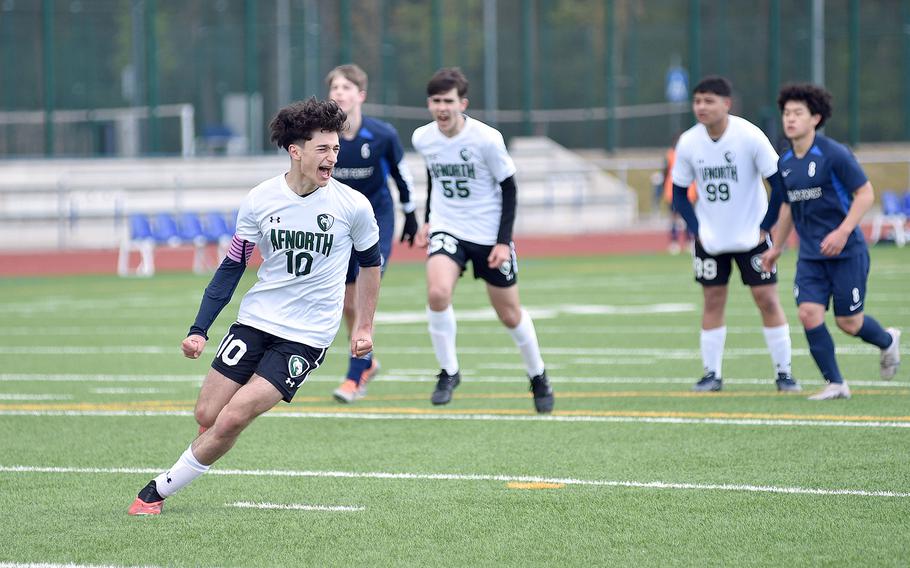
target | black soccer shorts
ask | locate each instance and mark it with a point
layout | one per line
(715, 270)
(286, 364)
(461, 252)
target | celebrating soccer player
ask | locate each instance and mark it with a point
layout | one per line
(306, 224)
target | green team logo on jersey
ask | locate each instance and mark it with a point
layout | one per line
(465, 154)
(325, 221)
(296, 365)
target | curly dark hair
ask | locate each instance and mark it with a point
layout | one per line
(298, 121)
(445, 80)
(818, 99)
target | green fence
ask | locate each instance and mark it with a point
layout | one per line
(603, 62)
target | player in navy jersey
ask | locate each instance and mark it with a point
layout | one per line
(825, 196)
(370, 153)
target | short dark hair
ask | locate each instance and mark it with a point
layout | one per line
(300, 119)
(445, 80)
(714, 84)
(818, 99)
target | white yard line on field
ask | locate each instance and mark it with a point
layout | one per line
(67, 565)
(294, 506)
(480, 477)
(650, 352)
(487, 416)
(26, 396)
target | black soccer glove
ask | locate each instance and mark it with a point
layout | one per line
(410, 228)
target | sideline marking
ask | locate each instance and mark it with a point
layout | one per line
(293, 506)
(479, 477)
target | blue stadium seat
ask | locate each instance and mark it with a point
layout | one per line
(164, 230)
(139, 227)
(892, 215)
(215, 227)
(891, 203)
(190, 228)
(141, 239)
(216, 230)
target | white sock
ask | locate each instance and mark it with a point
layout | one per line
(778, 340)
(443, 327)
(525, 337)
(712, 349)
(181, 474)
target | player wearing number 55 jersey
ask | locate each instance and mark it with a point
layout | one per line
(305, 225)
(826, 195)
(727, 157)
(472, 191)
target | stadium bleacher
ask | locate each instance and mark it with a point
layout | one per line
(163, 229)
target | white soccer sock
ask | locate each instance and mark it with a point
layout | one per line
(443, 327)
(712, 349)
(778, 340)
(181, 474)
(525, 337)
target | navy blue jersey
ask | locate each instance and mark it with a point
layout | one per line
(820, 188)
(366, 162)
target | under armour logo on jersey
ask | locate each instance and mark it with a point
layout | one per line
(365, 151)
(785, 173)
(811, 169)
(325, 221)
(729, 156)
(273, 219)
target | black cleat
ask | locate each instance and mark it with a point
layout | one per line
(786, 383)
(543, 393)
(444, 387)
(709, 383)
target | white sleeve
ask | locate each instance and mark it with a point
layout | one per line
(247, 222)
(364, 230)
(497, 158)
(765, 155)
(683, 175)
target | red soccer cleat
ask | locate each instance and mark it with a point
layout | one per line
(140, 507)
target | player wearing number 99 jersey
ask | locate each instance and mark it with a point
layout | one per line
(727, 157)
(472, 191)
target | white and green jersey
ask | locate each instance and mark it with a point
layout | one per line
(728, 172)
(305, 244)
(465, 173)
